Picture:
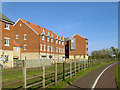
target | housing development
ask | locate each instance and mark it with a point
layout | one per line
(24, 40)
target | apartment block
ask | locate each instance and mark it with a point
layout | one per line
(76, 47)
(26, 40)
(37, 42)
(6, 38)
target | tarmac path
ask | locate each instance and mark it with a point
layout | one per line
(106, 80)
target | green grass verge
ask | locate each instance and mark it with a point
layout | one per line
(11, 75)
(118, 76)
(63, 84)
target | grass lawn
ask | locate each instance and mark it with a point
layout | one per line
(118, 76)
(12, 75)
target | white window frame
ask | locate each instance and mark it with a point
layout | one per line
(56, 49)
(16, 36)
(6, 24)
(48, 48)
(59, 50)
(17, 49)
(42, 37)
(40, 47)
(56, 41)
(8, 41)
(47, 39)
(51, 49)
(62, 43)
(25, 47)
(59, 42)
(44, 47)
(25, 37)
(51, 40)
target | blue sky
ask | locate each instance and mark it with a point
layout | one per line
(96, 21)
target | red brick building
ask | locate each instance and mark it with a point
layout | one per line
(76, 47)
(25, 40)
(38, 42)
(6, 38)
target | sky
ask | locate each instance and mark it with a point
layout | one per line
(96, 21)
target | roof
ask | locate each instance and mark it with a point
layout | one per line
(38, 29)
(15, 44)
(4, 18)
(78, 35)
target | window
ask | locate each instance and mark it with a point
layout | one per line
(47, 48)
(62, 43)
(6, 41)
(48, 39)
(6, 57)
(51, 49)
(56, 49)
(56, 41)
(51, 40)
(59, 42)
(16, 36)
(59, 50)
(6, 25)
(24, 36)
(24, 46)
(16, 49)
(41, 47)
(20, 24)
(42, 37)
(44, 47)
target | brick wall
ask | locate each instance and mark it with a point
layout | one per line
(80, 48)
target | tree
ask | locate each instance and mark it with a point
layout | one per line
(105, 53)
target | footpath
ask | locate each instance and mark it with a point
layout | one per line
(106, 80)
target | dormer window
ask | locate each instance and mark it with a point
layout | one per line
(52, 38)
(63, 39)
(43, 33)
(42, 37)
(48, 37)
(59, 42)
(6, 26)
(62, 43)
(56, 41)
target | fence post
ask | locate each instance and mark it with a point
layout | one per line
(83, 64)
(63, 70)
(88, 62)
(78, 66)
(91, 63)
(56, 73)
(43, 81)
(24, 75)
(0, 78)
(70, 69)
(75, 67)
